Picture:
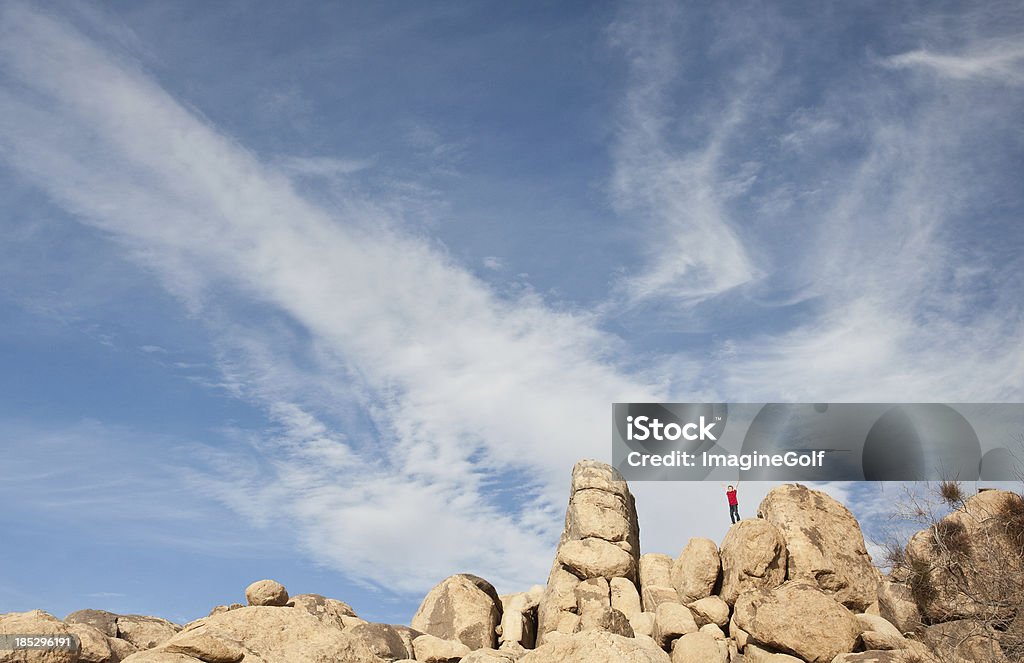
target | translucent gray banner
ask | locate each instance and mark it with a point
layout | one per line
(818, 441)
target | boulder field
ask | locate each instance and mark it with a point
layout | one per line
(794, 584)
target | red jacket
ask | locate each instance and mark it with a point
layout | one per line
(731, 494)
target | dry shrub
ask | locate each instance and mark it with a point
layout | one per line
(1011, 513)
(951, 493)
(919, 580)
(952, 537)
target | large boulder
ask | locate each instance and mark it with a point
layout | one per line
(519, 617)
(896, 605)
(331, 611)
(431, 649)
(672, 620)
(699, 648)
(696, 571)
(596, 558)
(35, 622)
(965, 639)
(105, 621)
(824, 543)
(624, 596)
(656, 581)
(798, 618)
(266, 592)
(607, 619)
(384, 640)
(264, 634)
(145, 632)
(601, 539)
(753, 557)
(597, 647)
(462, 607)
(971, 563)
(710, 610)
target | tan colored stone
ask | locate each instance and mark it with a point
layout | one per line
(624, 596)
(972, 560)
(878, 624)
(266, 592)
(710, 610)
(605, 619)
(592, 594)
(654, 595)
(695, 572)
(519, 617)
(672, 620)
(206, 647)
(35, 622)
(598, 514)
(824, 542)
(597, 647)
(754, 654)
(714, 630)
(592, 558)
(330, 611)
(105, 621)
(753, 557)
(697, 648)
(431, 649)
(642, 623)
(656, 569)
(95, 645)
(145, 632)
(464, 608)
(797, 618)
(896, 605)
(273, 635)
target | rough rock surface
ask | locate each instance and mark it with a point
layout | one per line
(695, 573)
(624, 596)
(656, 581)
(597, 648)
(799, 619)
(672, 620)
(896, 605)
(431, 649)
(824, 543)
(710, 610)
(601, 539)
(463, 607)
(266, 592)
(267, 635)
(384, 640)
(519, 617)
(971, 553)
(145, 632)
(694, 647)
(753, 557)
(331, 611)
(605, 619)
(100, 619)
(35, 622)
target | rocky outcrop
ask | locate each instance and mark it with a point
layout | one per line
(696, 571)
(464, 608)
(775, 591)
(797, 618)
(266, 592)
(824, 544)
(596, 647)
(35, 622)
(601, 540)
(977, 551)
(268, 634)
(753, 557)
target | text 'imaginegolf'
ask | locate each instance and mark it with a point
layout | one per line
(818, 441)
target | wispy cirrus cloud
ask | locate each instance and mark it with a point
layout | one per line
(997, 60)
(462, 387)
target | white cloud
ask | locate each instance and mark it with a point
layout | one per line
(995, 60)
(462, 386)
(675, 196)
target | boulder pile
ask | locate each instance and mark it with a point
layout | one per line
(794, 584)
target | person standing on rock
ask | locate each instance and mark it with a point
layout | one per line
(734, 504)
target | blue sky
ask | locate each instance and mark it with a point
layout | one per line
(336, 293)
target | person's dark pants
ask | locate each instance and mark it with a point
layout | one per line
(734, 513)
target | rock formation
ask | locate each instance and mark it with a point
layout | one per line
(794, 585)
